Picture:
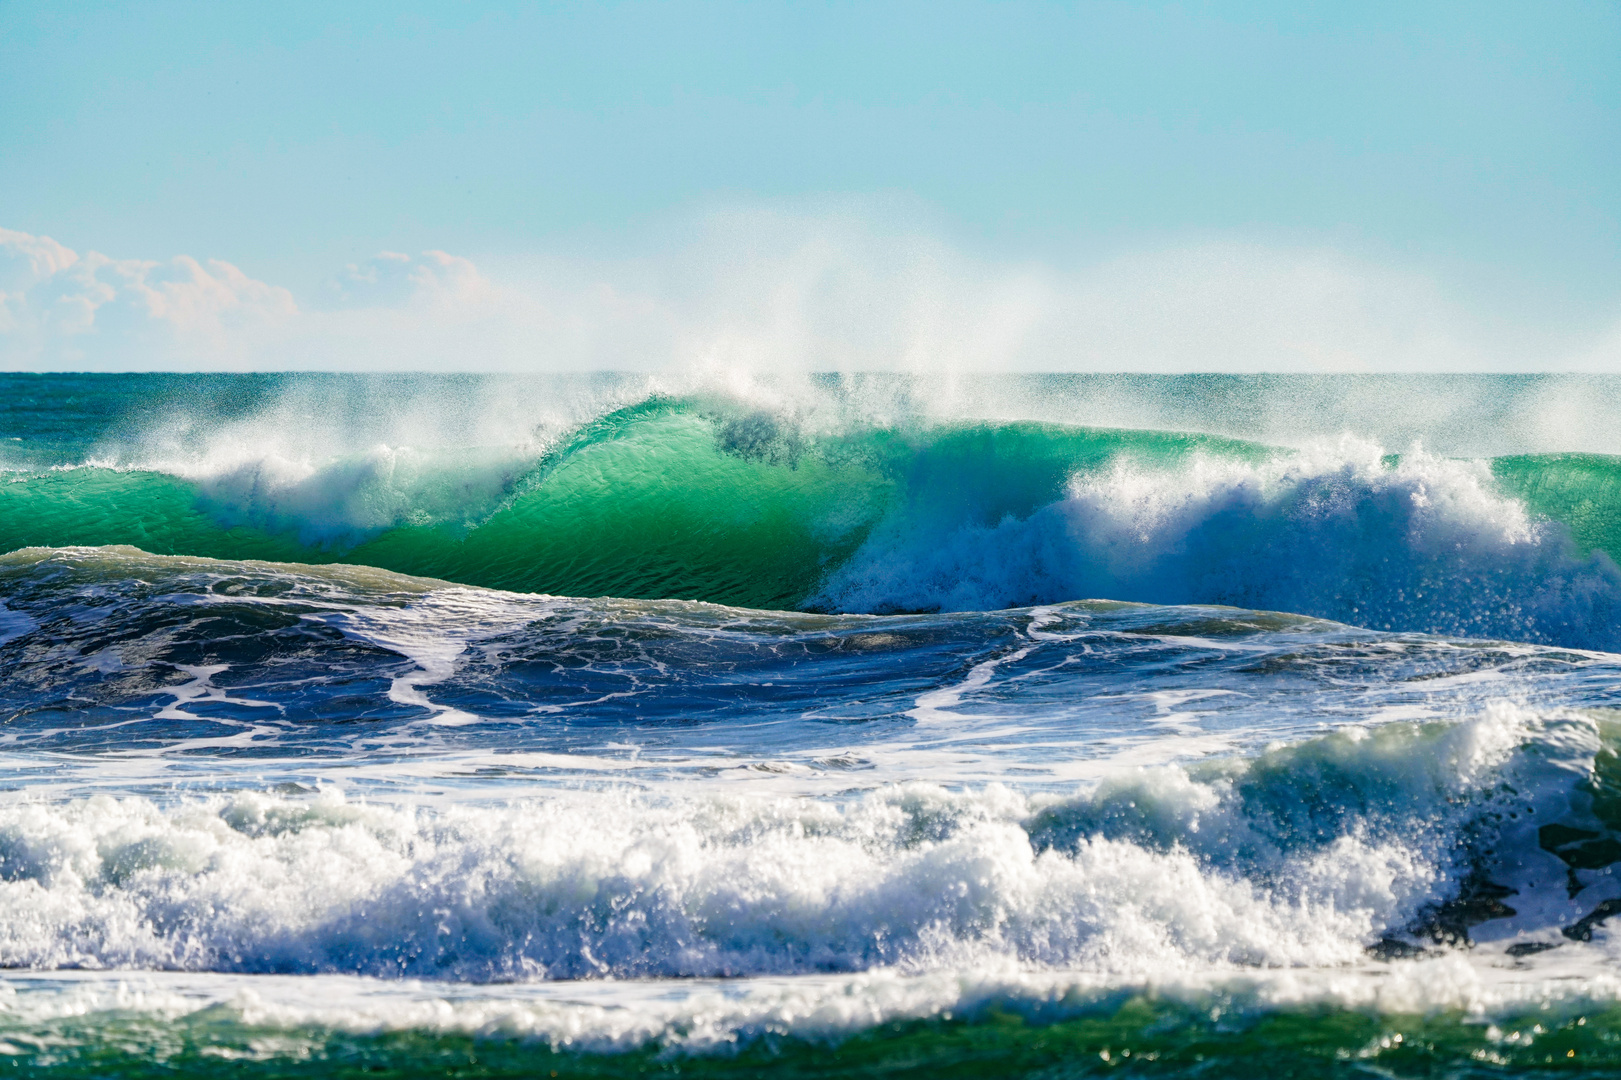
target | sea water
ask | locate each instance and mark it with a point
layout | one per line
(875, 725)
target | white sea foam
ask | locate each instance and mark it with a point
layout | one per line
(1162, 870)
(433, 630)
(1338, 532)
(576, 890)
(602, 886)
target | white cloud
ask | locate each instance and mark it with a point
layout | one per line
(391, 279)
(26, 260)
(61, 309)
(768, 291)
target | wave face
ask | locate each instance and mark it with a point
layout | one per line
(1079, 726)
(837, 497)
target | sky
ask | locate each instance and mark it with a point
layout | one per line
(465, 186)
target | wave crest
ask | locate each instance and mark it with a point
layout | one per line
(1347, 533)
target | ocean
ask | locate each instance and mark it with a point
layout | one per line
(724, 725)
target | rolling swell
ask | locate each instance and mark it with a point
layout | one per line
(704, 498)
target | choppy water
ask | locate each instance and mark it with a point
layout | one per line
(1195, 726)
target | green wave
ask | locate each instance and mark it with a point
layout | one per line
(672, 499)
(1581, 490)
(693, 500)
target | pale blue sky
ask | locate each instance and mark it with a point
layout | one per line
(1478, 143)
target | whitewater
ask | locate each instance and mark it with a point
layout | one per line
(892, 725)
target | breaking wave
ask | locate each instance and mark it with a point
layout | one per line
(714, 499)
(1405, 837)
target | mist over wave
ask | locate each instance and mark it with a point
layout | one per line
(852, 284)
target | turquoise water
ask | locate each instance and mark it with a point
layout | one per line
(612, 726)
